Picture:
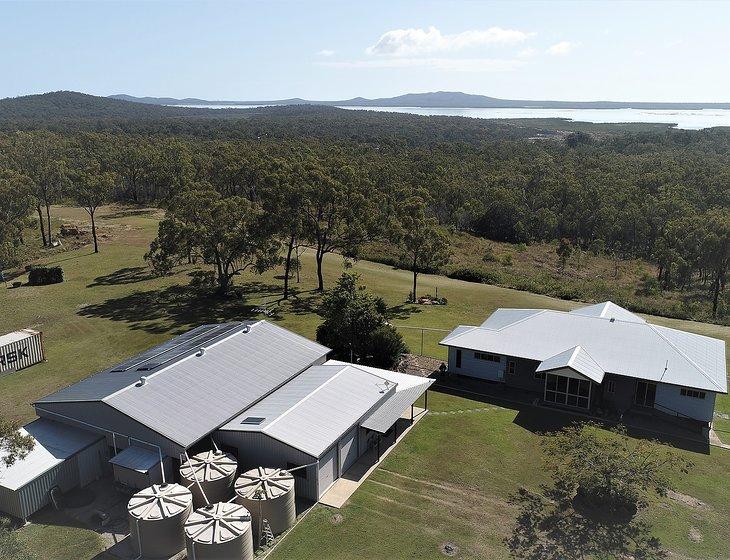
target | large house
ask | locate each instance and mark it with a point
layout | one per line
(596, 357)
(254, 389)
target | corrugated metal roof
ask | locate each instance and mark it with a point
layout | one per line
(195, 394)
(281, 400)
(312, 411)
(576, 359)
(118, 377)
(631, 348)
(54, 443)
(408, 389)
(327, 413)
(608, 310)
(136, 458)
(503, 317)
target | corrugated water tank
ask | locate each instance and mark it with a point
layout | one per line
(268, 494)
(157, 518)
(220, 531)
(214, 472)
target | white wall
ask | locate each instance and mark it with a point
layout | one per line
(670, 397)
(474, 367)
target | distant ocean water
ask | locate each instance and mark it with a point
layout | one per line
(688, 119)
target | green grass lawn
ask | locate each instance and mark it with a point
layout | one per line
(450, 479)
(447, 481)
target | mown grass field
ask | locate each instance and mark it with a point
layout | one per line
(447, 481)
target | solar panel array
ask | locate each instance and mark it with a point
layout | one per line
(177, 348)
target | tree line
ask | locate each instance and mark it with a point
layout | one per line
(663, 197)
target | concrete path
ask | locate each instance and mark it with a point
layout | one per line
(345, 486)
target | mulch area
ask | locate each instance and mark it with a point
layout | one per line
(423, 366)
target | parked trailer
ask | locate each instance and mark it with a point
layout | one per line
(20, 349)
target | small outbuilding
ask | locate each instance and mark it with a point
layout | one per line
(137, 467)
(63, 457)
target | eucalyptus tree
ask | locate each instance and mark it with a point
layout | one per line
(91, 188)
(422, 243)
(231, 233)
(340, 210)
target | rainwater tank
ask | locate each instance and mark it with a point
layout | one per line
(268, 494)
(215, 472)
(220, 531)
(157, 518)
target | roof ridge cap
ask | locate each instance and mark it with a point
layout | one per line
(685, 356)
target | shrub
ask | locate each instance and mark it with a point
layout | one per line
(474, 274)
(42, 276)
(507, 259)
(489, 255)
(649, 286)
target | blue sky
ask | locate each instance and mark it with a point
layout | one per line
(258, 50)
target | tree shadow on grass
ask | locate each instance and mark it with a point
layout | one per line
(553, 525)
(403, 311)
(173, 309)
(128, 275)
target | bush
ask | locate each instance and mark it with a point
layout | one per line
(489, 255)
(473, 274)
(507, 259)
(42, 276)
(387, 347)
(649, 286)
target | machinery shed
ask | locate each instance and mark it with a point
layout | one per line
(62, 456)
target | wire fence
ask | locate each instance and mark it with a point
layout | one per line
(425, 339)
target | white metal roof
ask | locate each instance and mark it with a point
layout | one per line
(608, 310)
(136, 458)
(322, 417)
(408, 388)
(54, 443)
(576, 359)
(16, 336)
(199, 391)
(618, 343)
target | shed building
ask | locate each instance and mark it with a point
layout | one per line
(62, 457)
(252, 388)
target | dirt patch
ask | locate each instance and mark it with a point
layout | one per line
(694, 535)
(449, 549)
(687, 500)
(336, 519)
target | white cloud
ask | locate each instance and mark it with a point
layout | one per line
(447, 64)
(527, 53)
(409, 42)
(563, 47)
(325, 52)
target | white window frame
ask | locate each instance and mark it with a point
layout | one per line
(610, 386)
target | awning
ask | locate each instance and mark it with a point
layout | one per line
(136, 459)
(407, 391)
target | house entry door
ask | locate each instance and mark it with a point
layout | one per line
(645, 393)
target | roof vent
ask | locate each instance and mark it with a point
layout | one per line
(613, 319)
(253, 420)
(245, 329)
(200, 352)
(142, 381)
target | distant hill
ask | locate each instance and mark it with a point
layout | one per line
(437, 99)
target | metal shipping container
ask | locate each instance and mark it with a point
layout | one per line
(20, 349)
